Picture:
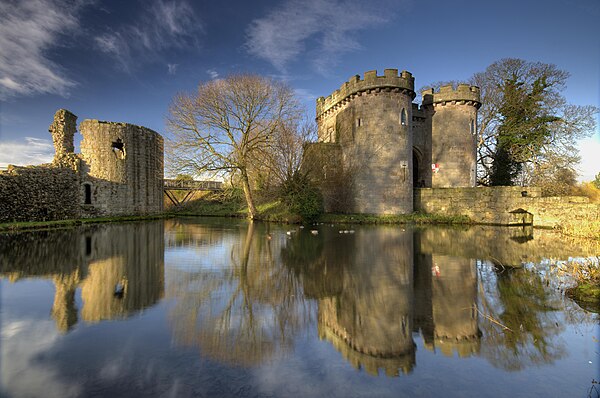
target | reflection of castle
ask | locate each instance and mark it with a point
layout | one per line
(119, 268)
(370, 313)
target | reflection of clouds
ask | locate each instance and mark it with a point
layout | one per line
(23, 374)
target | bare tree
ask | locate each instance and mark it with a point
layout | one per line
(227, 124)
(284, 156)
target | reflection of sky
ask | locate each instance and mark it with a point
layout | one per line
(197, 257)
(138, 356)
(27, 333)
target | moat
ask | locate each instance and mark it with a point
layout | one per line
(218, 307)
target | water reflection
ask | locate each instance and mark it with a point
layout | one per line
(246, 295)
(373, 289)
(243, 313)
(119, 268)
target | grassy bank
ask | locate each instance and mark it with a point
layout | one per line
(586, 272)
(275, 210)
(42, 225)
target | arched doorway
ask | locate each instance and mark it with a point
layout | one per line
(418, 181)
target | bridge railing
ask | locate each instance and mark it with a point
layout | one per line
(193, 184)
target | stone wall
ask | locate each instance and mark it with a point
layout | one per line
(371, 121)
(38, 193)
(453, 114)
(123, 167)
(505, 205)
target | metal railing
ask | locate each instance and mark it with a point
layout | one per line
(193, 185)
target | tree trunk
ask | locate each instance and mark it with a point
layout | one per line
(248, 196)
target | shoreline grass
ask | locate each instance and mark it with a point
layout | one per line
(58, 224)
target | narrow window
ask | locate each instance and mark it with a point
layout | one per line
(472, 126)
(330, 134)
(88, 194)
(359, 122)
(403, 117)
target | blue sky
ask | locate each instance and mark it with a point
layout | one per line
(125, 60)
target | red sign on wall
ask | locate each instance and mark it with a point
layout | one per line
(435, 167)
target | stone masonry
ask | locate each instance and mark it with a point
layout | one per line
(388, 145)
(119, 172)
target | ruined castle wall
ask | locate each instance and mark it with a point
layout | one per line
(38, 193)
(124, 166)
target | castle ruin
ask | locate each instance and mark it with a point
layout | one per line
(118, 172)
(375, 145)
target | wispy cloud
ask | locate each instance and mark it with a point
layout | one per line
(172, 68)
(28, 151)
(284, 34)
(213, 73)
(28, 29)
(163, 25)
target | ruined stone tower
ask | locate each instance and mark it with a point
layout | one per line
(375, 145)
(123, 166)
(63, 130)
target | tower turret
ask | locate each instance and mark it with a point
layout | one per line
(453, 114)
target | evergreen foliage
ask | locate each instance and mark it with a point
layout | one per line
(302, 197)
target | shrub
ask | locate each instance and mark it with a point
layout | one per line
(302, 197)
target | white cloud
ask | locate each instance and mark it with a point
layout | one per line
(23, 374)
(29, 151)
(589, 148)
(283, 35)
(213, 74)
(162, 25)
(28, 29)
(172, 68)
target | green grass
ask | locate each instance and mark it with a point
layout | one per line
(587, 295)
(272, 210)
(414, 218)
(41, 225)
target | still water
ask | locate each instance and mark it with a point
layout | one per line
(215, 307)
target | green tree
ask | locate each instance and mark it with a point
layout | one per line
(525, 118)
(596, 182)
(524, 128)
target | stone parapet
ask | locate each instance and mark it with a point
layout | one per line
(390, 81)
(464, 93)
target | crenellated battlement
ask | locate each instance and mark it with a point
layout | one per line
(390, 81)
(463, 93)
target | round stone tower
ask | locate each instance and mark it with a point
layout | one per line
(453, 114)
(124, 168)
(370, 120)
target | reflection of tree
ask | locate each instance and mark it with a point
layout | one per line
(245, 313)
(525, 307)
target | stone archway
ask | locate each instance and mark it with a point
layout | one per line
(418, 179)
